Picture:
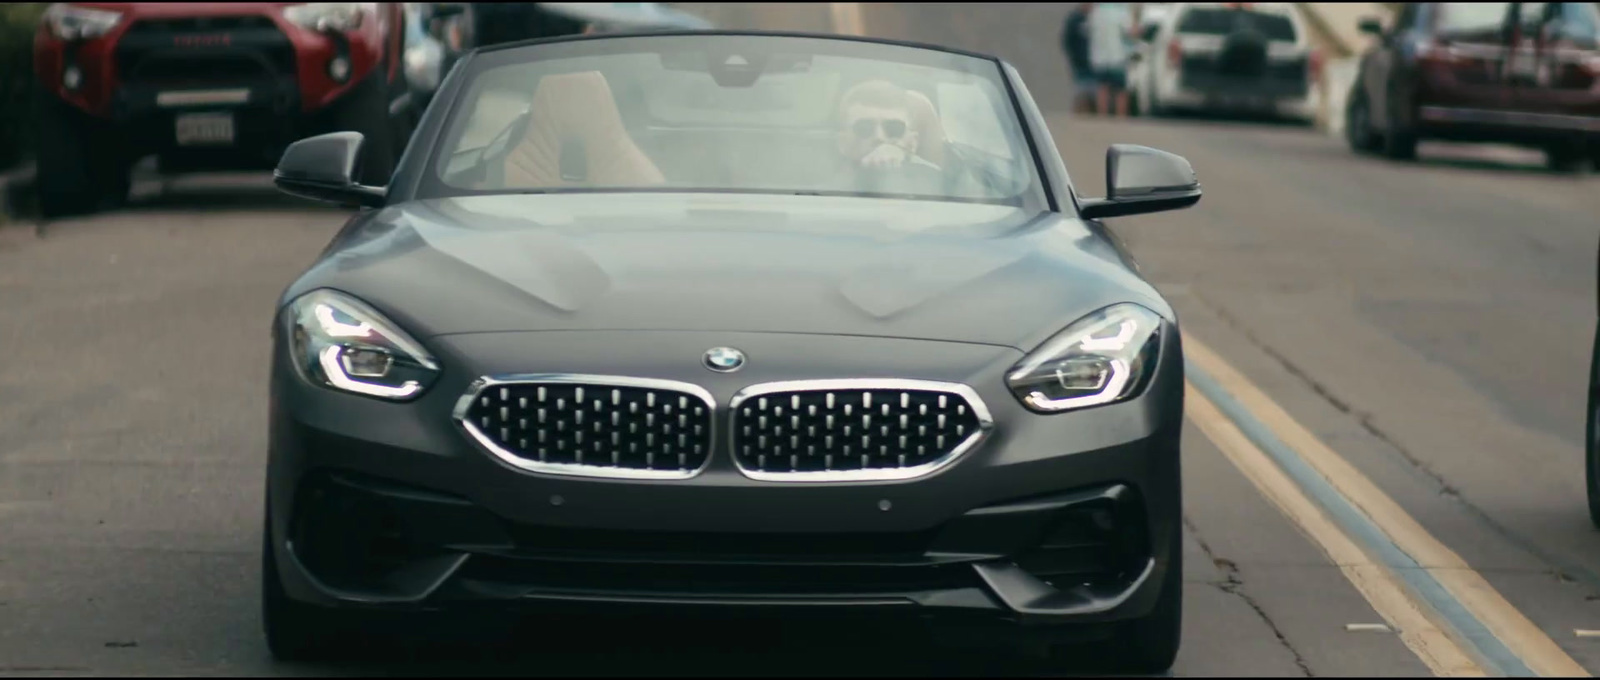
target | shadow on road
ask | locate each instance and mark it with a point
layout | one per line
(678, 648)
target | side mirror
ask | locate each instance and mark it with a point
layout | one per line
(1142, 180)
(1370, 26)
(322, 168)
(1149, 32)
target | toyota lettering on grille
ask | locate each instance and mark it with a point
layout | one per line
(215, 40)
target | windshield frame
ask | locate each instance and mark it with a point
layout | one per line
(426, 182)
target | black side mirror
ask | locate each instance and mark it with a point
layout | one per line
(1370, 26)
(1142, 180)
(1149, 32)
(322, 168)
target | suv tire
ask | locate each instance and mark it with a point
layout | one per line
(81, 166)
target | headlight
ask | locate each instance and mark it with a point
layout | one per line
(329, 16)
(342, 343)
(1100, 359)
(68, 22)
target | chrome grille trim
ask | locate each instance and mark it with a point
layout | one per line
(698, 396)
(985, 424)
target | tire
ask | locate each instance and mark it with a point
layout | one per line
(1566, 158)
(81, 168)
(295, 631)
(1399, 143)
(1358, 130)
(1153, 107)
(365, 109)
(1144, 646)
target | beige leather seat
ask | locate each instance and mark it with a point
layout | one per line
(577, 106)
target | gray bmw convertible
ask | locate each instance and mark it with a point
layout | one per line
(730, 321)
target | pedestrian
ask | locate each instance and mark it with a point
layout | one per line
(1075, 42)
(1110, 38)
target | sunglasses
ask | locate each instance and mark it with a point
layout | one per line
(893, 128)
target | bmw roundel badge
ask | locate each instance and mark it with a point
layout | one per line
(724, 359)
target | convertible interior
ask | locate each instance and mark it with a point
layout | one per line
(574, 134)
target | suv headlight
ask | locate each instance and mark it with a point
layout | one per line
(340, 342)
(70, 22)
(1099, 359)
(329, 16)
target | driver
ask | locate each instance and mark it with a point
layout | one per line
(878, 143)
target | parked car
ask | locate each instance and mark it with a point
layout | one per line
(622, 332)
(208, 86)
(1226, 57)
(1512, 73)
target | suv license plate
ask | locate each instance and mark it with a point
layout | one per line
(205, 129)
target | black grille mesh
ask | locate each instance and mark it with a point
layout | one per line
(849, 429)
(596, 425)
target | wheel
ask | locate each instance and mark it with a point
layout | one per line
(81, 168)
(296, 631)
(1566, 158)
(1358, 124)
(365, 109)
(1399, 142)
(1145, 646)
(1151, 102)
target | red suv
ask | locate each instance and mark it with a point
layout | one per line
(209, 86)
(1525, 73)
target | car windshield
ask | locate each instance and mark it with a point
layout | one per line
(736, 113)
(1222, 21)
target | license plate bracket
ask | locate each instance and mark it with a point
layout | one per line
(212, 128)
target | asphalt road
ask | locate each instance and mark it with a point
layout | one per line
(1428, 322)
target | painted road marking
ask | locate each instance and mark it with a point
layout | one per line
(846, 18)
(1442, 655)
(1461, 600)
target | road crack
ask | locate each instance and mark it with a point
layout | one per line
(1232, 584)
(1563, 570)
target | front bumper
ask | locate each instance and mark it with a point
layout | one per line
(1060, 519)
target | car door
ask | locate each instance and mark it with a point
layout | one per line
(1556, 44)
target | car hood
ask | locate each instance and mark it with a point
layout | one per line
(720, 262)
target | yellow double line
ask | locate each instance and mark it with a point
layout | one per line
(1466, 631)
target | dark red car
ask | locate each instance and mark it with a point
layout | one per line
(209, 86)
(1520, 73)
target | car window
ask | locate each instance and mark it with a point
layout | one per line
(1580, 22)
(1472, 17)
(1222, 21)
(729, 113)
